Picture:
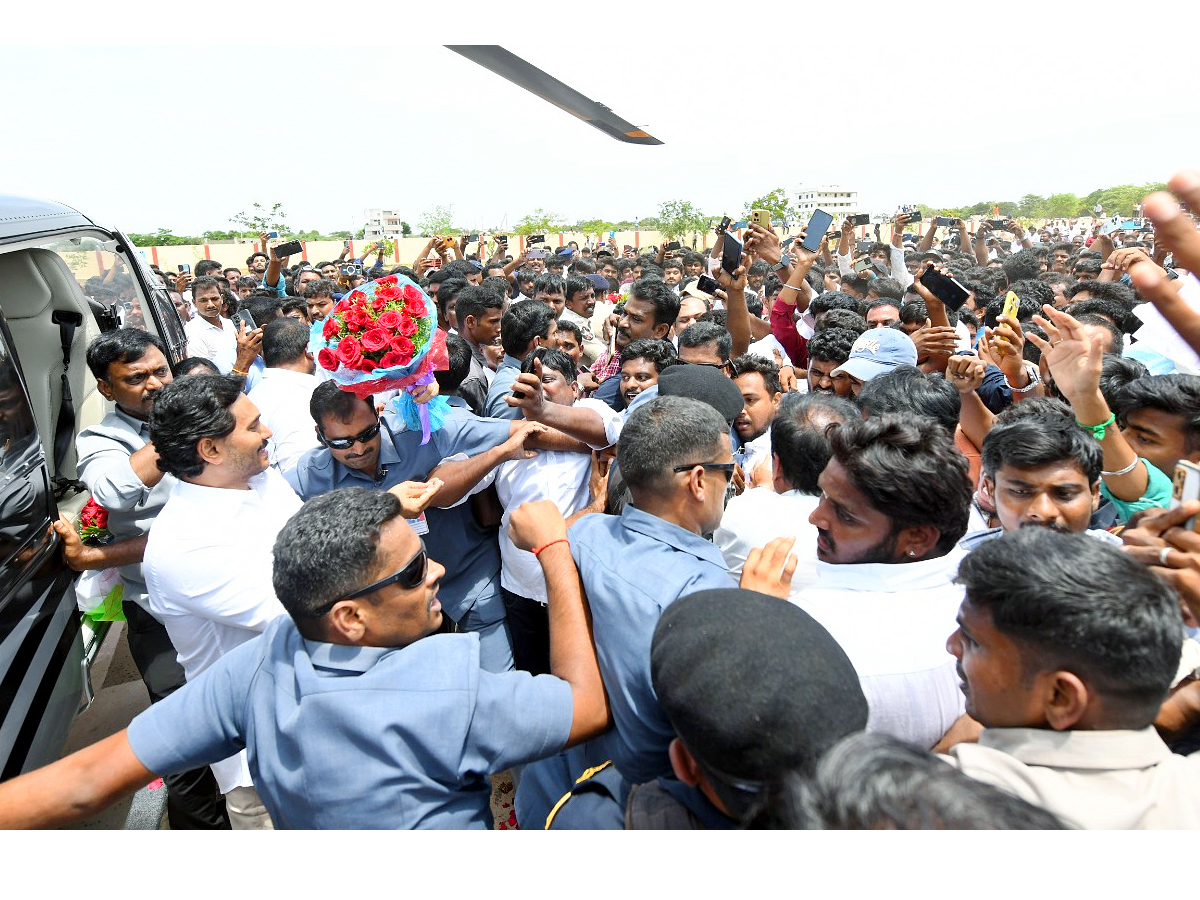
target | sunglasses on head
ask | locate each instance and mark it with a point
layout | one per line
(348, 442)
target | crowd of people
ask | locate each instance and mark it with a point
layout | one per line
(786, 541)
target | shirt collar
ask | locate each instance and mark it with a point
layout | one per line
(228, 499)
(343, 657)
(671, 534)
(891, 578)
(457, 401)
(138, 425)
(285, 375)
(511, 362)
(1115, 749)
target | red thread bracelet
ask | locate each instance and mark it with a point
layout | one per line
(537, 550)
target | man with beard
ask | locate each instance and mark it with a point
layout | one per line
(894, 501)
(650, 312)
(580, 305)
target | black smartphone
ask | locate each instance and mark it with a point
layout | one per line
(345, 245)
(731, 254)
(946, 289)
(723, 225)
(291, 248)
(783, 245)
(185, 269)
(944, 221)
(863, 246)
(913, 216)
(707, 284)
(862, 219)
(472, 238)
(817, 226)
(670, 246)
(998, 224)
(243, 316)
(536, 239)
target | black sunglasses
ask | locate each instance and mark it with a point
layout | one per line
(727, 468)
(347, 443)
(410, 576)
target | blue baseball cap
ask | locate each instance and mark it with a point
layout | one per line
(878, 351)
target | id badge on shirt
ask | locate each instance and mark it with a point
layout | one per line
(419, 525)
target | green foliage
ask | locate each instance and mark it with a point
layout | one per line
(405, 229)
(436, 220)
(1122, 199)
(776, 202)
(261, 219)
(539, 222)
(677, 218)
(163, 238)
(598, 227)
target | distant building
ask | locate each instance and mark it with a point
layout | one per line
(381, 223)
(835, 200)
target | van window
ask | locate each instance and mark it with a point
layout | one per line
(24, 497)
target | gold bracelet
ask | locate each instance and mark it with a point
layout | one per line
(237, 371)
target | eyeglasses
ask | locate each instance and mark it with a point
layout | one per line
(348, 442)
(410, 576)
(727, 367)
(727, 468)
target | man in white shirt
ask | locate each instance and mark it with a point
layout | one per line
(209, 555)
(556, 475)
(283, 393)
(894, 500)
(210, 334)
(799, 451)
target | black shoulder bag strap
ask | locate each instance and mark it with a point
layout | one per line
(64, 428)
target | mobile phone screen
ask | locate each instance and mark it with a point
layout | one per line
(707, 284)
(948, 290)
(731, 253)
(817, 226)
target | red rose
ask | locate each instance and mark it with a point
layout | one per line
(389, 320)
(353, 325)
(349, 353)
(416, 308)
(411, 293)
(341, 306)
(388, 293)
(404, 347)
(327, 359)
(392, 358)
(378, 303)
(407, 327)
(331, 328)
(375, 340)
(100, 518)
(388, 280)
(356, 296)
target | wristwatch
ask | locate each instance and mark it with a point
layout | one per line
(782, 265)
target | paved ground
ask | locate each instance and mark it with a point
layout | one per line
(120, 695)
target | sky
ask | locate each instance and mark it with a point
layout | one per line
(139, 126)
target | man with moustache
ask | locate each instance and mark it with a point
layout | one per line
(894, 502)
(208, 560)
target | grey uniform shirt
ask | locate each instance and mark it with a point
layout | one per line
(104, 450)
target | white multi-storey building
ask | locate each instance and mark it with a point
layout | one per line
(836, 200)
(381, 223)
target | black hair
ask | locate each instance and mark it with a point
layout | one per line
(474, 300)
(1116, 372)
(840, 318)
(248, 281)
(719, 317)
(124, 345)
(575, 284)
(250, 259)
(284, 341)
(699, 334)
(832, 345)
(1073, 603)
(664, 433)
(263, 309)
(1034, 407)
(1175, 394)
(1104, 290)
(1118, 338)
(752, 362)
(203, 282)
(908, 390)
(196, 363)
(909, 469)
(655, 291)
(799, 436)
(322, 287)
(549, 283)
(329, 400)
(565, 324)
(328, 549)
(1021, 266)
(188, 410)
(551, 359)
(1036, 441)
(522, 324)
(203, 267)
(832, 300)
(448, 291)
(459, 353)
(889, 288)
(1117, 313)
(661, 353)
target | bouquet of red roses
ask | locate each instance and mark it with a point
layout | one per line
(384, 336)
(93, 525)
